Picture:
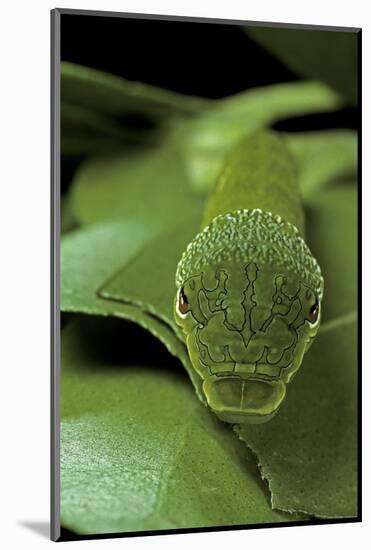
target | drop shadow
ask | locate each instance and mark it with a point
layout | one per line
(41, 528)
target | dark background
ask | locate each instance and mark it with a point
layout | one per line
(204, 59)
(211, 60)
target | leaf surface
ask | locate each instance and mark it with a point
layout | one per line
(330, 56)
(138, 451)
(331, 221)
(114, 96)
(148, 185)
(99, 257)
(308, 452)
(169, 181)
(323, 158)
(206, 140)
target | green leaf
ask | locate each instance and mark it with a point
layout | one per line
(84, 131)
(158, 182)
(100, 112)
(323, 157)
(148, 185)
(205, 141)
(90, 256)
(154, 290)
(308, 452)
(330, 56)
(114, 96)
(97, 258)
(138, 451)
(331, 222)
(78, 118)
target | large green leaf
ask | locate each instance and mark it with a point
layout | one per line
(206, 140)
(323, 158)
(84, 131)
(327, 55)
(158, 182)
(101, 112)
(149, 191)
(138, 451)
(332, 233)
(148, 185)
(156, 262)
(95, 258)
(308, 452)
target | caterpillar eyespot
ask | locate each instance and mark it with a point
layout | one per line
(314, 313)
(183, 305)
(252, 284)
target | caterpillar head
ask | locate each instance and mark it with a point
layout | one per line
(249, 302)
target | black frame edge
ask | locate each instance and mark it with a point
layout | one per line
(97, 13)
(55, 527)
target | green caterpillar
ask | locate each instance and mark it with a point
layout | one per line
(249, 290)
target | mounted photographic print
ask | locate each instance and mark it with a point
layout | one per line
(205, 192)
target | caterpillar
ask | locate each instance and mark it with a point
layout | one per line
(248, 289)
